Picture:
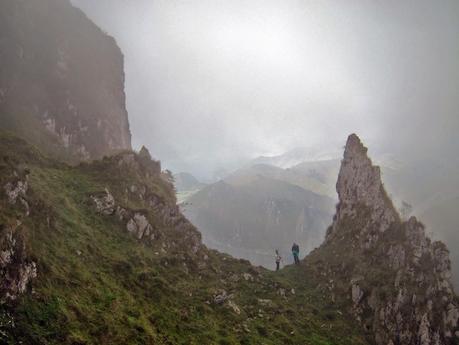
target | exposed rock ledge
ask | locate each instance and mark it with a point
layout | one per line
(16, 268)
(137, 222)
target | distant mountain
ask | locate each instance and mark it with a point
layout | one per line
(186, 182)
(297, 156)
(292, 176)
(323, 172)
(250, 215)
(186, 185)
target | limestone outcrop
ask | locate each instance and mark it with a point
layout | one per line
(17, 269)
(154, 210)
(396, 280)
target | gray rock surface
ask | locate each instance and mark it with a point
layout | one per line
(403, 293)
(17, 270)
(15, 190)
(139, 226)
(104, 202)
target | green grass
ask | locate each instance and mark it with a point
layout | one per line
(123, 291)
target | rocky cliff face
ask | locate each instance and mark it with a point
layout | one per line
(396, 280)
(61, 80)
(17, 269)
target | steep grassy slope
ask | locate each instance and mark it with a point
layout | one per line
(97, 283)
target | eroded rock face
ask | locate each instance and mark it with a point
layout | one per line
(16, 270)
(104, 202)
(61, 80)
(166, 215)
(402, 293)
(359, 182)
(139, 226)
(136, 222)
(15, 190)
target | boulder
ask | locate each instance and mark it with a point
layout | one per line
(104, 202)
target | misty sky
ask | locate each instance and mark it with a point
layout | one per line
(211, 83)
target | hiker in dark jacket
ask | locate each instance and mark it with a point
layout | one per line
(296, 253)
(278, 260)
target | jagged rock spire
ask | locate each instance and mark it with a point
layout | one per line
(359, 183)
(144, 153)
(358, 180)
(396, 279)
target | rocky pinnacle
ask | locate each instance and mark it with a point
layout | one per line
(396, 279)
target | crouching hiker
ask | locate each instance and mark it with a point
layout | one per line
(278, 260)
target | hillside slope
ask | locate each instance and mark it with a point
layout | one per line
(61, 80)
(99, 254)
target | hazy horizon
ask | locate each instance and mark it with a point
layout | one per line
(211, 84)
